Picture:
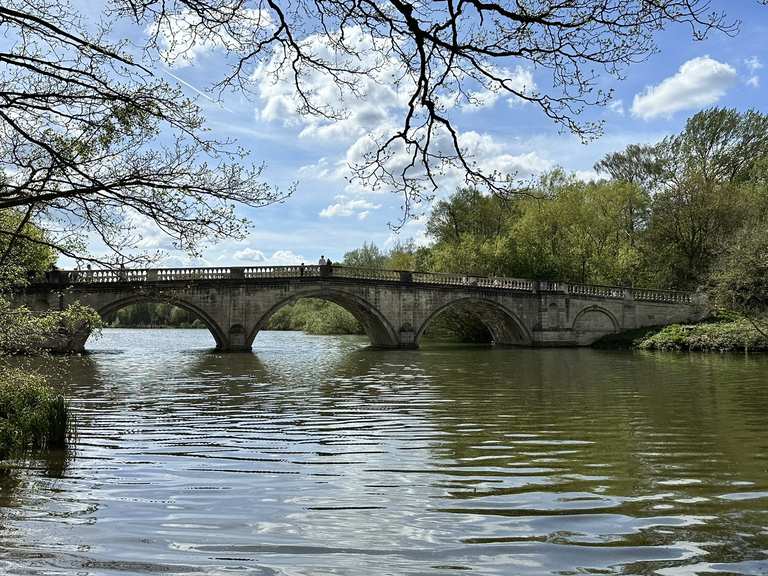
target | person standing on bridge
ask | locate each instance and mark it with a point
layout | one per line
(322, 260)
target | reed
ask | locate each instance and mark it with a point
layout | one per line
(33, 414)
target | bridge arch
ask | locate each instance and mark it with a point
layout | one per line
(593, 322)
(504, 325)
(221, 338)
(378, 329)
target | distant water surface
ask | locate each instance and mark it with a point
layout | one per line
(315, 456)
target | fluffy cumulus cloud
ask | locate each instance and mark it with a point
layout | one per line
(348, 112)
(489, 154)
(369, 100)
(617, 106)
(699, 82)
(358, 119)
(257, 257)
(358, 207)
(494, 156)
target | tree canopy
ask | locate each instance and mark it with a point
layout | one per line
(92, 142)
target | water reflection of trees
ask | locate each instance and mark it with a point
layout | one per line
(634, 419)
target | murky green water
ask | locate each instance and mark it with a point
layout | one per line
(316, 456)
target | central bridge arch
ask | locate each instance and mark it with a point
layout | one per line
(503, 324)
(378, 329)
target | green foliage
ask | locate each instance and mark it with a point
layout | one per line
(705, 183)
(457, 325)
(32, 414)
(369, 256)
(739, 336)
(569, 230)
(22, 258)
(333, 319)
(27, 332)
(739, 281)
(154, 315)
(315, 316)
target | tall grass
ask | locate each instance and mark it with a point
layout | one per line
(33, 415)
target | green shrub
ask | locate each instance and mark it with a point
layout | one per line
(734, 336)
(27, 332)
(33, 415)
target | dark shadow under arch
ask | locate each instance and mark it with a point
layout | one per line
(505, 327)
(215, 330)
(376, 326)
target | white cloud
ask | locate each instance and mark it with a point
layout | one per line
(371, 99)
(753, 63)
(699, 82)
(586, 175)
(183, 40)
(617, 106)
(361, 118)
(350, 112)
(519, 79)
(258, 258)
(358, 207)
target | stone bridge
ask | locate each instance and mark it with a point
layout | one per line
(394, 307)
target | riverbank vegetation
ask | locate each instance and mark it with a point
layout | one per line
(34, 414)
(719, 334)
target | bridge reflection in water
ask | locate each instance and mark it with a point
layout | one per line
(393, 306)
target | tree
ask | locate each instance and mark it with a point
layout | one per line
(700, 182)
(91, 142)
(22, 259)
(402, 256)
(369, 256)
(637, 164)
(739, 280)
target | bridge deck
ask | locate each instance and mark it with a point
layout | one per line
(255, 273)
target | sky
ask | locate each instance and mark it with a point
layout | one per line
(327, 215)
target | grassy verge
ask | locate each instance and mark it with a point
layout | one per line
(718, 336)
(33, 415)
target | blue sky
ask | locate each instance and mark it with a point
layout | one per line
(328, 216)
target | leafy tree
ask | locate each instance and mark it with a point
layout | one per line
(402, 256)
(21, 259)
(700, 182)
(368, 256)
(637, 164)
(739, 280)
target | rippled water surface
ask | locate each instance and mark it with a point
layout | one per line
(315, 455)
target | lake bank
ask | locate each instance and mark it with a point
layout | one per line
(714, 336)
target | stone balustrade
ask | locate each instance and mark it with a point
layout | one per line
(133, 275)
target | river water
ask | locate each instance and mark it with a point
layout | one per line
(317, 456)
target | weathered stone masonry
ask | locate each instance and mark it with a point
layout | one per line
(394, 307)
